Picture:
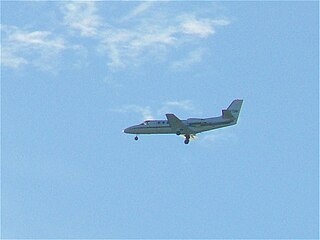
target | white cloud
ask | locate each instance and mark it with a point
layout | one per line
(131, 46)
(8, 59)
(218, 137)
(151, 38)
(152, 33)
(125, 46)
(202, 27)
(144, 111)
(115, 42)
(83, 17)
(36, 39)
(193, 57)
(21, 47)
(166, 107)
(142, 7)
(170, 106)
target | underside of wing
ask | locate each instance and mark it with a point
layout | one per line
(177, 125)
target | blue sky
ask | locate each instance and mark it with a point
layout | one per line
(74, 74)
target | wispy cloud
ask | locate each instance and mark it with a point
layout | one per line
(147, 31)
(171, 106)
(185, 104)
(217, 137)
(144, 111)
(125, 47)
(152, 34)
(36, 39)
(142, 7)
(201, 27)
(22, 47)
(9, 59)
(83, 17)
(148, 113)
(194, 56)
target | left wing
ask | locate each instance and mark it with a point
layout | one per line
(177, 125)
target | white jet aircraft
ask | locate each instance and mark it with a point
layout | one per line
(190, 127)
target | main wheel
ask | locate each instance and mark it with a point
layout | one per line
(186, 141)
(178, 133)
(136, 138)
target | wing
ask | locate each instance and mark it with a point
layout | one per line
(177, 125)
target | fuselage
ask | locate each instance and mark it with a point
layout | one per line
(190, 127)
(197, 125)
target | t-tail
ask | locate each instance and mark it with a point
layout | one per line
(233, 111)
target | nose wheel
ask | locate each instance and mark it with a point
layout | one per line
(136, 138)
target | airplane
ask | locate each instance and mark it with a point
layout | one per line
(190, 127)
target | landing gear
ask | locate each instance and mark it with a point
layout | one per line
(136, 138)
(178, 133)
(186, 141)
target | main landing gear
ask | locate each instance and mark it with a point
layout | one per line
(136, 138)
(186, 141)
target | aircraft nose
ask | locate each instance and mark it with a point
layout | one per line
(127, 130)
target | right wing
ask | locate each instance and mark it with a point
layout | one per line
(177, 125)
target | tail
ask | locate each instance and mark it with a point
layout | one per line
(233, 110)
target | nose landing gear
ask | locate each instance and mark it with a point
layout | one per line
(136, 138)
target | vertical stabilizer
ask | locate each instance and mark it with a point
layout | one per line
(233, 110)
